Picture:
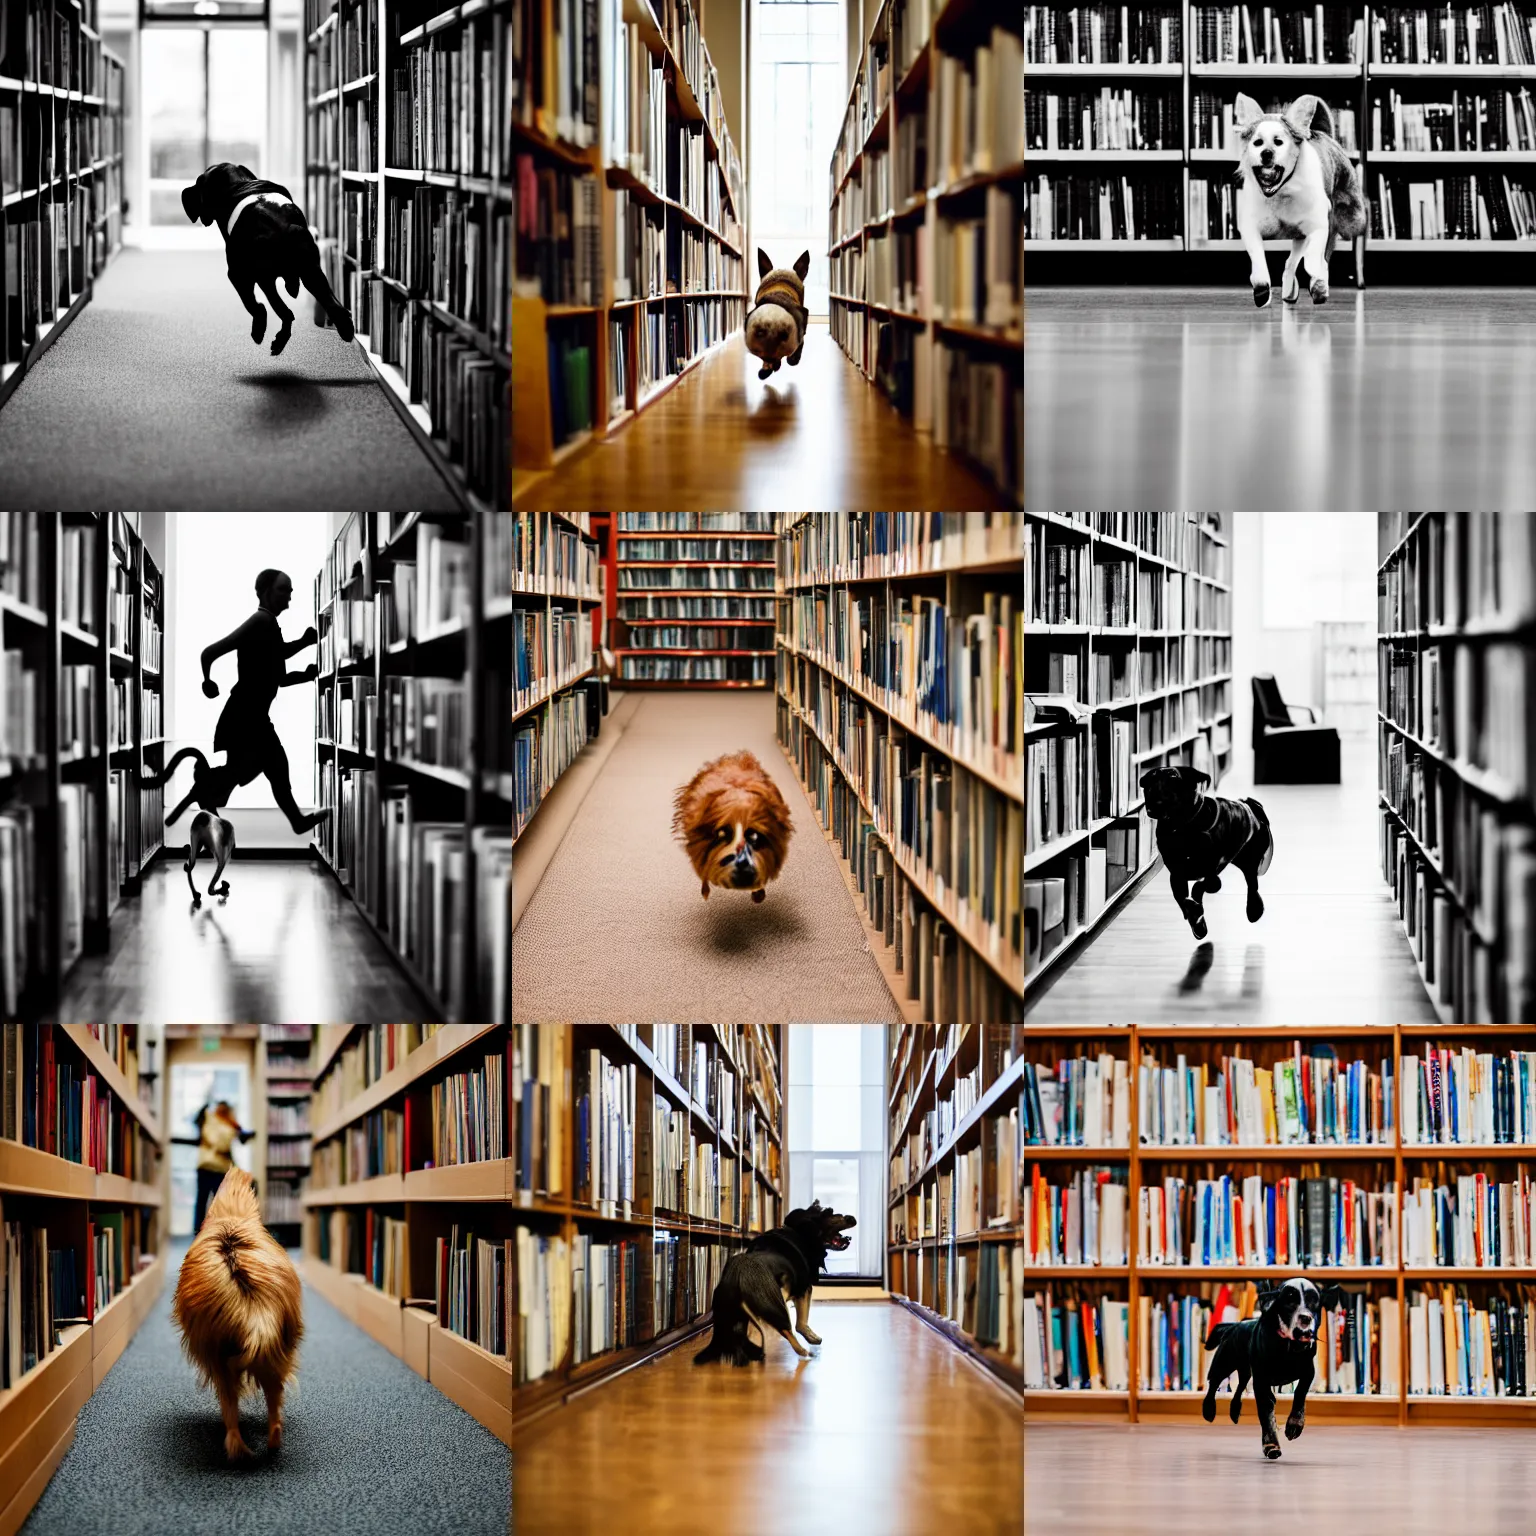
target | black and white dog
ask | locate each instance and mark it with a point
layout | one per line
(266, 240)
(1276, 1346)
(777, 1266)
(1198, 835)
(208, 830)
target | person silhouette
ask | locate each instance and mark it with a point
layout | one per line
(244, 732)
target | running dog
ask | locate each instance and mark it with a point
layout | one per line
(775, 328)
(1198, 835)
(208, 830)
(1272, 1348)
(1295, 183)
(777, 1267)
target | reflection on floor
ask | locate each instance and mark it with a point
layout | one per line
(1192, 399)
(1329, 947)
(286, 943)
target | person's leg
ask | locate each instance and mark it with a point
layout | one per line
(275, 766)
(208, 1180)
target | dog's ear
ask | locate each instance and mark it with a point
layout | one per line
(192, 200)
(1267, 1297)
(1330, 1296)
(1248, 112)
(764, 266)
(1198, 775)
(802, 265)
(1299, 114)
(1148, 776)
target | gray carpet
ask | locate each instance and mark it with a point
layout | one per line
(617, 931)
(155, 397)
(368, 1448)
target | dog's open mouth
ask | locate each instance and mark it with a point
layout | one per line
(1305, 1335)
(1268, 176)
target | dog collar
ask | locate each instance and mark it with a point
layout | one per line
(245, 202)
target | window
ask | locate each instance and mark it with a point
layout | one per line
(799, 90)
(837, 1134)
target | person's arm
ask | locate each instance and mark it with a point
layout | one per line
(211, 654)
(308, 675)
(293, 647)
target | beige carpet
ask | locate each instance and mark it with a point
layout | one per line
(617, 932)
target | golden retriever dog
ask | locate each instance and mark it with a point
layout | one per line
(239, 1307)
(1295, 182)
(734, 825)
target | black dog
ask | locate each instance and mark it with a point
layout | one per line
(266, 239)
(1277, 1346)
(1198, 835)
(777, 1266)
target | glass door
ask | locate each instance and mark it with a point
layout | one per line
(205, 91)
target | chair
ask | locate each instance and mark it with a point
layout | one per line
(1283, 751)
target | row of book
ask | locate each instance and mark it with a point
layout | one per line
(1100, 33)
(978, 113)
(551, 556)
(1107, 118)
(49, 45)
(451, 247)
(281, 1205)
(376, 1050)
(690, 637)
(1213, 120)
(730, 578)
(978, 274)
(546, 743)
(683, 609)
(697, 669)
(288, 1152)
(1466, 34)
(551, 648)
(844, 546)
(443, 99)
(366, 1149)
(1468, 1221)
(469, 1113)
(1483, 207)
(1263, 34)
(1471, 122)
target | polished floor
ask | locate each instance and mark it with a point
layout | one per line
(816, 438)
(1191, 399)
(1329, 947)
(286, 943)
(1336, 1480)
(889, 1430)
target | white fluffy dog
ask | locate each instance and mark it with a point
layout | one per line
(1296, 183)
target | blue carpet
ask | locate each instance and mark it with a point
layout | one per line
(368, 1448)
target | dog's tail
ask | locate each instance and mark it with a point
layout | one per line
(1218, 1333)
(154, 781)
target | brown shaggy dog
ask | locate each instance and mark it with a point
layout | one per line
(734, 824)
(239, 1307)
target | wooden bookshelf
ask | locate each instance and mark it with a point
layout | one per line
(283, 1069)
(62, 210)
(899, 304)
(415, 231)
(44, 1190)
(431, 1202)
(1389, 1159)
(554, 1208)
(620, 345)
(955, 1098)
(744, 647)
(1171, 695)
(829, 565)
(1347, 82)
(380, 630)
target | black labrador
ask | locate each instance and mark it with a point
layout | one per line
(266, 240)
(1276, 1346)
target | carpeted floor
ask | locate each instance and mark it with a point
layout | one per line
(618, 933)
(368, 1447)
(156, 397)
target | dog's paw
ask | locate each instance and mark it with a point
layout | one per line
(704, 889)
(1272, 1449)
(1293, 1427)
(197, 900)
(764, 371)
(1235, 1412)
(809, 1337)
(235, 1449)
(280, 340)
(759, 896)
(1319, 290)
(1255, 907)
(258, 326)
(344, 326)
(1208, 1410)
(1261, 296)
(1291, 293)
(219, 890)
(275, 1436)
(1212, 883)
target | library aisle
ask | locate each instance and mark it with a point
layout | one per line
(155, 397)
(368, 1446)
(288, 943)
(617, 928)
(815, 437)
(888, 1429)
(1330, 944)
(1188, 1480)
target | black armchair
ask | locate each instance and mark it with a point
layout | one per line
(1285, 752)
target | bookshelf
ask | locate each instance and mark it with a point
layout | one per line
(284, 1075)
(80, 616)
(1406, 109)
(408, 172)
(86, 1192)
(413, 748)
(1121, 1087)
(1457, 600)
(900, 706)
(61, 173)
(643, 1157)
(924, 227)
(557, 697)
(1128, 667)
(407, 1226)
(672, 570)
(631, 268)
(954, 1219)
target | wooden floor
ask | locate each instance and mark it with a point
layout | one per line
(286, 946)
(1193, 399)
(815, 438)
(888, 1431)
(1329, 948)
(1211, 1480)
